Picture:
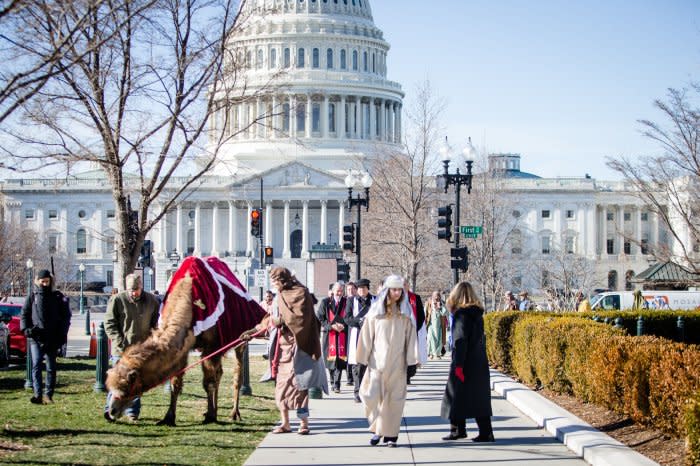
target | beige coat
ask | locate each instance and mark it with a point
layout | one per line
(387, 346)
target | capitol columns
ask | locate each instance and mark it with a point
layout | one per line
(231, 227)
(214, 229)
(324, 221)
(267, 222)
(305, 230)
(197, 229)
(286, 252)
(178, 231)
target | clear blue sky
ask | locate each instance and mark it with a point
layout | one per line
(561, 82)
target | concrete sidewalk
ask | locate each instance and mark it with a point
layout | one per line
(339, 434)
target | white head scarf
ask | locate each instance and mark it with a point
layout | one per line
(378, 308)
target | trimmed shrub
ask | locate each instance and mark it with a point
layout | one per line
(498, 327)
(692, 422)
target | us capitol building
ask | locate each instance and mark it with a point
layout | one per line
(336, 109)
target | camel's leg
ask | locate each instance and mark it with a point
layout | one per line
(237, 381)
(175, 390)
(212, 376)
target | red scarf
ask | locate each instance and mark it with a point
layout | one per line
(337, 347)
(412, 302)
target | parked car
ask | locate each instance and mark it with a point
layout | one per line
(4, 344)
(10, 315)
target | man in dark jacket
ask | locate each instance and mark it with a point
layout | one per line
(331, 314)
(355, 313)
(45, 322)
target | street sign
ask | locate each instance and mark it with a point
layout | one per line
(470, 230)
(470, 235)
(261, 278)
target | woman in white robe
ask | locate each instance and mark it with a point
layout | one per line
(387, 346)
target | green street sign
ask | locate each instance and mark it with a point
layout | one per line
(470, 230)
(470, 235)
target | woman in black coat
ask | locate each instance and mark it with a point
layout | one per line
(468, 391)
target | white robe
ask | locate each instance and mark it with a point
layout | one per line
(387, 346)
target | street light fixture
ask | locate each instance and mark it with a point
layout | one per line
(28, 378)
(83, 309)
(457, 179)
(364, 181)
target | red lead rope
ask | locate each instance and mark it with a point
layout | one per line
(234, 344)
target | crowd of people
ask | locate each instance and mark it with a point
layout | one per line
(378, 341)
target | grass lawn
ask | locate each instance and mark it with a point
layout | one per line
(73, 431)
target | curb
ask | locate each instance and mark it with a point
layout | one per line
(595, 447)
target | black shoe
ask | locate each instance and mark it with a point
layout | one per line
(358, 399)
(374, 440)
(108, 416)
(455, 436)
(336, 389)
(484, 438)
(37, 400)
(391, 443)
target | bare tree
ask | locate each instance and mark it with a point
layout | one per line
(669, 183)
(143, 91)
(562, 274)
(400, 234)
(16, 246)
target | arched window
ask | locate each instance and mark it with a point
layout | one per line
(612, 280)
(374, 62)
(343, 61)
(331, 117)
(190, 242)
(259, 60)
(287, 58)
(300, 58)
(285, 118)
(301, 117)
(364, 61)
(354, 60)
(329, 59)
(316, 117)
(273, 58)
(80, 241)
(629, 275)
(516, 242)
(315, 58)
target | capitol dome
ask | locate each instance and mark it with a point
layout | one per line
(314, 90)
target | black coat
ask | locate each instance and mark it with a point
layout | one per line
(471, 398)
(326, 306)
(46, 318)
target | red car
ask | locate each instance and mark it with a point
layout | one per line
(10, 314)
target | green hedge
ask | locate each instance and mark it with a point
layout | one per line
(657, 323)
(650, 379)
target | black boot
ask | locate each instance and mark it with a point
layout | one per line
(456, 432)
(485, 430)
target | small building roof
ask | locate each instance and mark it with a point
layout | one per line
(668, 274)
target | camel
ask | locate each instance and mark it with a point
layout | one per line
(164, 354)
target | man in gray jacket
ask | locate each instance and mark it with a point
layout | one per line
(131, 316)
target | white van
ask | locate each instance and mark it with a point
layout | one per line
(653, 299)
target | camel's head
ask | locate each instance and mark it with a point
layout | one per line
(124, 384)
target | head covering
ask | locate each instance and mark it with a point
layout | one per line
(43, 274)
(362, 282)
(393, 281)
(133, 282)
(523, 293)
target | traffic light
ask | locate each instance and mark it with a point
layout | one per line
(269, 255)
(445, 223)
(256, 222)
(349, 237)
(343, 271)
(460, 258)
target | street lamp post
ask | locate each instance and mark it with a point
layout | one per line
(457, 179)
(83, 310)
(245, 386)
(28, 379)
(365, 181)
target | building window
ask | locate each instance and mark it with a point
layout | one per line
(629, 275)
(374, 60)
(645, 246)
(354, 60)
(315, 60)
(610, 216)
(259, 59)
(612, 280)
(316, 117)
(285, 118)
(287, 58)
(53, 213)
(300, 58)
(29, 213)
(544, 280)
(569, 245)
(546, 244)
(516, 242)
(569, 214)
(645, 216)
(627, 216)
(515, 214)
(301, 117)
(329, 59)
(81, 214)
(610, 246)
(53, 244)
(110, 213)
(627, 247)
(110, 278)
(364, 61)
(190, 242)
(343, 60)
(273, 58)
(546, 213)
(331, 118)
(81, 242)
(110, 245)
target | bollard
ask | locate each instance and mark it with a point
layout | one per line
(596, 319)
(680, 326)
(87, 321)
(29, 378)
(606, 320)
(102, 359)
(640, 326)
(618, 323)
(245, 387)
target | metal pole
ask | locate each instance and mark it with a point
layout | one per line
(458, 185)
(358, 236)
(28, 378)
(245, 388)
(102, 359)
(262, 250)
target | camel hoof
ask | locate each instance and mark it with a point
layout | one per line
(166, 422)
(209, 420)
(236, 416)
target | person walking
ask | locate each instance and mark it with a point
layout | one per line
(45, 322)
(419, 319)
(331, 313)
(435, 313)
(387, 347)
(350, 294)
(468, 392)
(357, 310)
(299, 356)
(131, 316)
